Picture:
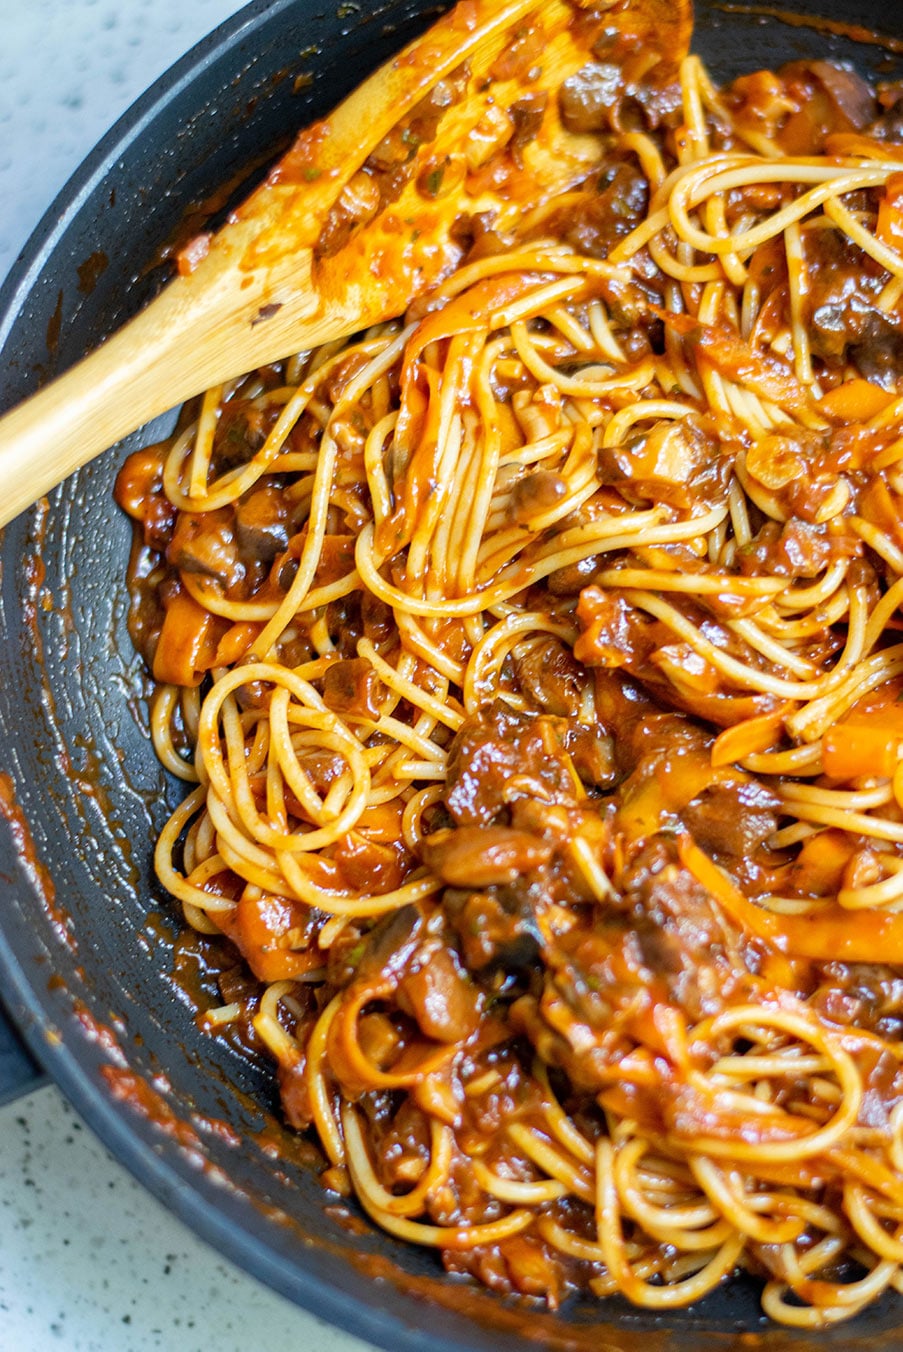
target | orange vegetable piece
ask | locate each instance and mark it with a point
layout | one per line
(261, 928)
(827, 934)
(858, 748)
(856, 401)
(820, 864)
(750, 736)
(235, 642)
(188, 642)
(889, 226)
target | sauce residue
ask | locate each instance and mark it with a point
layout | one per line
(36, 870)
(194, 252)
(90, 270)
(301, 163)
(127, 1086)
(198, 215)
(54, 327)
(147, 1097)
(836, 27)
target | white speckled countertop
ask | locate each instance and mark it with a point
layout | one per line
(89, 1262)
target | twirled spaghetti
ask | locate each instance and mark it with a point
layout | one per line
(537, 661)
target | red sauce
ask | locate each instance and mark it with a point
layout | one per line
(35, 870)
(90, 271)
(838, 27)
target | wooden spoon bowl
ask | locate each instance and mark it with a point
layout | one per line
(362, 215)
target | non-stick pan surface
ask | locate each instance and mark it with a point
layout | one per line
(87, 940)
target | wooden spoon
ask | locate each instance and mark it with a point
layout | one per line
(354, 222)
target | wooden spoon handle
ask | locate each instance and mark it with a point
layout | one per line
(192, 336)
(253, 298)
(52, 434)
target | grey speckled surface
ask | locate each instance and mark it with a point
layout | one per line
(88, 1261)
(68, 69)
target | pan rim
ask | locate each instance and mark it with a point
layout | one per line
(224, 1220)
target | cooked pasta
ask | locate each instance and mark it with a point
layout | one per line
(536, 662)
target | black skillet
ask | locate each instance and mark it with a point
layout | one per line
(86, 938)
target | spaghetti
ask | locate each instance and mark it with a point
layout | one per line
(537, 662)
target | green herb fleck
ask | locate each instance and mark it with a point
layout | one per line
(434, 181)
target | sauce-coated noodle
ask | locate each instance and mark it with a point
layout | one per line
(537, 658)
